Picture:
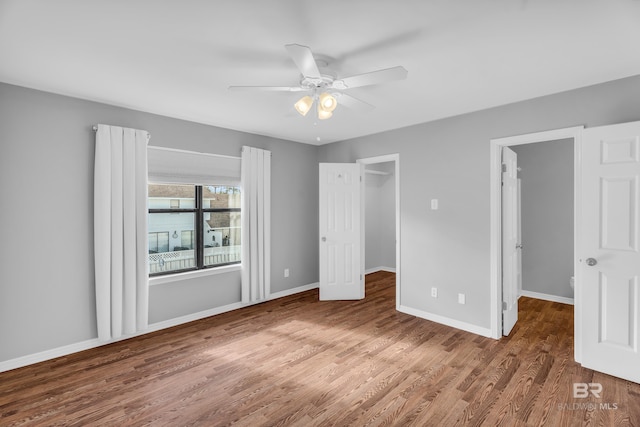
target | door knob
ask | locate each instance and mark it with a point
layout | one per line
(324, 239)
(591, 262)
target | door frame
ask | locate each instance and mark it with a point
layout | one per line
(383, 159)
(495, 200)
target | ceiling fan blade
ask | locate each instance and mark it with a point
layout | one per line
(303, 59)
(268, 88)
(353, 103)
(372, 78)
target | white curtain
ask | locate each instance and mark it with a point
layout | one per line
(120, 231)
(256, 224)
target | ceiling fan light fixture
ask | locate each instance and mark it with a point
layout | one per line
(304, 105)
(327, 102)
(323, 85)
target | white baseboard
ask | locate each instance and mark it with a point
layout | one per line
(49, 354)
(225, 308)
(376, 269)
(42, 356)
(474, 329)
(153, 327)
(297, 290)
(546, 297)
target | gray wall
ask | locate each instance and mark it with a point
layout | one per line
(547, 216)
(380, 217)
(46, 176)
(449, 160)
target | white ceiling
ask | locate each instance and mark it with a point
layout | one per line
(177, 58)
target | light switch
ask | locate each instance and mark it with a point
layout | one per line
(434, 204)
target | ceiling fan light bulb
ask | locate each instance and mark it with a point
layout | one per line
(323, 115)
(304, 105)
(327, 102)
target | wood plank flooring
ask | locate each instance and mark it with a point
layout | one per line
(297, 361)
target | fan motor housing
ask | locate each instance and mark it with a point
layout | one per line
(325, 80)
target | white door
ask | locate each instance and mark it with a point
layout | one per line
(510, 247)
(608, 250)
(341, 260)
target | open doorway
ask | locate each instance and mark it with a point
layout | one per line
(606, 259)
(573, 134)
(381, 202)
(545, 177)
(537, 224)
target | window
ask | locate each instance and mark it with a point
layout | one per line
(193, 227)
(158, 242)
(221, 225)
(187, 239)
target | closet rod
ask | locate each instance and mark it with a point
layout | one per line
(374, 172)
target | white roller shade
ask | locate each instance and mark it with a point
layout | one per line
(168, 165)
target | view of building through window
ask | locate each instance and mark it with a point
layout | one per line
(193, 227)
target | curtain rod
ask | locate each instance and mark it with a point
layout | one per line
(242, 149)
(95, 129)
(177, 150)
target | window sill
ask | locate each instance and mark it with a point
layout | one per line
(178, 277)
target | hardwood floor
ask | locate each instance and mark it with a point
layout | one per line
(297, 361)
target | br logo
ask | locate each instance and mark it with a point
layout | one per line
(582, 390)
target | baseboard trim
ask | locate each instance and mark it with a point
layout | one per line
(153, 327)
(53, 353)
(546, 297)
(226, 308)
(66, 350)
(293, 291)
(474, 329)
(376, 269)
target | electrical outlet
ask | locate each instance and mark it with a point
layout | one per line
(434, 292)
(286, 272)
(462, 299)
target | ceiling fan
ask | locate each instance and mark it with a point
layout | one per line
(322, 85)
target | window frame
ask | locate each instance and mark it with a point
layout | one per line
(199, 210)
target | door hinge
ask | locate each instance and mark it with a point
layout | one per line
(504, 305)
(504, 167)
